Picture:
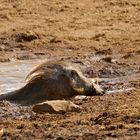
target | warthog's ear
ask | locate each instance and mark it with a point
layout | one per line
(74, 73)
(96, 82)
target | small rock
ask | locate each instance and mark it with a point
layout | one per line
(55, 106)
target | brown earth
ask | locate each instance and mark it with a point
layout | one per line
(103, 38)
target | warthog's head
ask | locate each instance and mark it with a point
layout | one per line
(80, 84)
(60, 80)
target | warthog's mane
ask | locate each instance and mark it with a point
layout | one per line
(50, 69)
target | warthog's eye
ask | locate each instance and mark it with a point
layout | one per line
(74, 73)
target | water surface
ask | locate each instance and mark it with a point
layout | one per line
(13, 74)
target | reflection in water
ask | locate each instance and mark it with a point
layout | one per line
(12, 75)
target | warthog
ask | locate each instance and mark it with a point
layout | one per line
(53, 81)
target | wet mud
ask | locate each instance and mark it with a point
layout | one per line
(101, 37)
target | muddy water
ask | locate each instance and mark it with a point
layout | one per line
(12, 75)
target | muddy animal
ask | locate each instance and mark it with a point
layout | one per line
(53, 81)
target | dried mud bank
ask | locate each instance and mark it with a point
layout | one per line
(102, 37)
(46, 28)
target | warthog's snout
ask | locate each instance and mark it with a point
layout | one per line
(94, 90)
(83, 85)
(97, 89)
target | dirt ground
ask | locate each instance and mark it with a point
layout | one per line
(101, 36)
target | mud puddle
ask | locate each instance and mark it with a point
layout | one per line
(12, 77)
(12, 74)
